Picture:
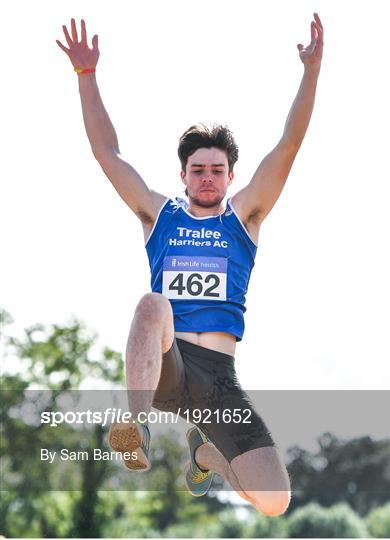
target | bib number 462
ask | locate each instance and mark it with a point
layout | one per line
(195, 285)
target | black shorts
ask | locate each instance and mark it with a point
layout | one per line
(202, 385)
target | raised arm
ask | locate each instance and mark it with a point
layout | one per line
(144, 202)
(255, 201)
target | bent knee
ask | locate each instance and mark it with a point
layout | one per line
(153, 306)
(154, 312)
(271, 503)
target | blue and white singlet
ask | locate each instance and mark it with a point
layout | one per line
(202, 265)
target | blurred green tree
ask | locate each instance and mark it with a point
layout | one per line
(378, 522)
(355, 471)
(56, 359)
(314, 521)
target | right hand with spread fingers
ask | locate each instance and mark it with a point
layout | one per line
(83, 58)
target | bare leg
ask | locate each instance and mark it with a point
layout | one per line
(209, 457)
(264, 478)
(151, 335)
(262, 466)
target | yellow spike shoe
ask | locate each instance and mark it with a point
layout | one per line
(198, 480)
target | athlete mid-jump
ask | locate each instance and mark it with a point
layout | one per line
(181, 346)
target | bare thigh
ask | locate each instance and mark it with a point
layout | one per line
(153, 316)
(261, 469)
(264, 478)
(151, 335)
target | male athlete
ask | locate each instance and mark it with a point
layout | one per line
(181, 346)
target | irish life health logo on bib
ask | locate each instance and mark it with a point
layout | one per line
(190, 277)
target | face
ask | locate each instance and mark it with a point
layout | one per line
(207, 176)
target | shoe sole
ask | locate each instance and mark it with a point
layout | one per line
(127, 438)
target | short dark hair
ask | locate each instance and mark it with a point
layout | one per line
(203, 136)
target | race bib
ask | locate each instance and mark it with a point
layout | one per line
(190, 277)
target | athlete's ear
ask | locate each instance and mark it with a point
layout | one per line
(231, 176)
(182, 175)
